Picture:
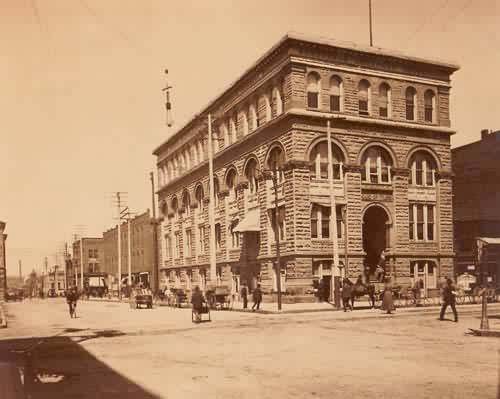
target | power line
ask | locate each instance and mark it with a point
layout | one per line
(429, 18)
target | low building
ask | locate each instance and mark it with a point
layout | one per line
(476, 199)
(141, 250)
(87, 252)
(3, 266)
(54, 282)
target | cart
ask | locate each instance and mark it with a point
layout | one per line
(204, 313)
(219, 298)
(141, 297)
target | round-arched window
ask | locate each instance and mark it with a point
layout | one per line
(319, 161)
(423, 169)
(376, 165)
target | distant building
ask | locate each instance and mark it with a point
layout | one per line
(3, 266)
(390, 164)
(476, 200)
(55, 280)
(141, 249)
(93, 255)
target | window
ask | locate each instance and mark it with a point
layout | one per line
(423, 274)
(235, 235)
(377, 165)
(175, 208)
(168, 246)
(244, 122)
(218, 275)
(218, 237)
(186, 204)
(319, 161)
(320, 221)
(200, 151)
(276, 102)
(199, 198)
(203, 278)
(267, 107)
(177, 253)
(384, 93)
(177, 279)
(194, 154)
(254, 120)
(423, 169)
(201, 239)
(313, 90)
(187, 157)
(232, 130)
(276, 162)
(231, 185)
(189, 243)
(421, 222)
(216, 192)
(411, 100)
(281, 223)
(364, 94)
(336, 94)
(429, 106)
(251, 175)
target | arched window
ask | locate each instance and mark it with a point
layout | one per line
(267, 107)
(244, 122)
(231, 185)
(364, 97)
(187, 157)
(336, 94)
(232, 130)
(215, 141)
(277, 103)
(194, 154)
(198, 195)
(377, 165)
(384, 99)
(423, 169)
(186, 203)
(411, 101)
(225, 134)
(254, 120)
(319, 161)
(313, 90)
(276, 161)
(161, 176)
(216, 192)
(429, 106)
(175, 207)
(200, 151)
(251, 175)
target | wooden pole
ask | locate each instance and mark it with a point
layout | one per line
(211, 204)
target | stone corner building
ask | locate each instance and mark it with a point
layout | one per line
(391, 133)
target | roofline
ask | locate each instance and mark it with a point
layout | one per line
(452, 66)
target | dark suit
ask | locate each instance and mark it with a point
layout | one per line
(448, 299)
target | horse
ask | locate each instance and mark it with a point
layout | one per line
(359, 290)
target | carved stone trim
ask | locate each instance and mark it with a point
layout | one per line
(296, 164)
(404, 172)
(444, 174)
(352, 168)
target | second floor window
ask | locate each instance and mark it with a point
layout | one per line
(411, 101)
(231, 185)
(376, 165)
(168, 245)
(422, 169)
(321, 221)
(421, 222)
(429, 106)
(201, 239)
(251, 175)
(189, 243)
(319, 161)
(364, 94)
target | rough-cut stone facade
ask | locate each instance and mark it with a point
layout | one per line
(287, 123)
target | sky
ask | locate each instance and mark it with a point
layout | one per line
(81, 106)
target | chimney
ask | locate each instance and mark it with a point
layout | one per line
(484, 133)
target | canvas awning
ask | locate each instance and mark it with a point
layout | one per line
(251, 222)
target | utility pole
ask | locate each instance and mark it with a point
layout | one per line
(211, 204)
(45, 263)
(277, 235)
(168, 105)
(335, 282)
(120, 215)
(20, 272)
(155, 271)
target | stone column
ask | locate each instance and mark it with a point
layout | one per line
(354, 219)
(3, 270)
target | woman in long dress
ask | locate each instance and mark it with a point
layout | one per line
(387, 300)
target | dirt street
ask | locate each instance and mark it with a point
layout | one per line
(112, 351)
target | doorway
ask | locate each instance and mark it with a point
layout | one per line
(376, 229)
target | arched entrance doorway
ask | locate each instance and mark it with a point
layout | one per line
(376, 228)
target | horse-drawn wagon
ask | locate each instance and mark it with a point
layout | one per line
(219, 297)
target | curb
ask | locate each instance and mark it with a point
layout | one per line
(3, 317)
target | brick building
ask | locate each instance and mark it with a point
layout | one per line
(476, 189)
(391, 133)
(3, 265)
(92, 250)
(141, 242)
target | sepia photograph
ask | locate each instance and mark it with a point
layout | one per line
(249, 199)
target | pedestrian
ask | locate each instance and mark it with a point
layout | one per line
(321, 290)
(346, 293)
(257, 298)
(244, 296)
(387, 300)
(448, 299)
(72, 299)
(197, 301)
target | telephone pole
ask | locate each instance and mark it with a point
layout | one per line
(20, 271)
(155, 270)
(119, 202)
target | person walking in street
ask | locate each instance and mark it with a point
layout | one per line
(387, 299)
(321, 290)
(448, 299)
(244, 296)
(257, 298)
(346, 293)
(197, 301)
(72, 299)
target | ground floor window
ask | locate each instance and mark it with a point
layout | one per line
(423, 274)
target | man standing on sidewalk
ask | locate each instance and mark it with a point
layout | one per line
(448, 299)
(244, 296)
(257, 298)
